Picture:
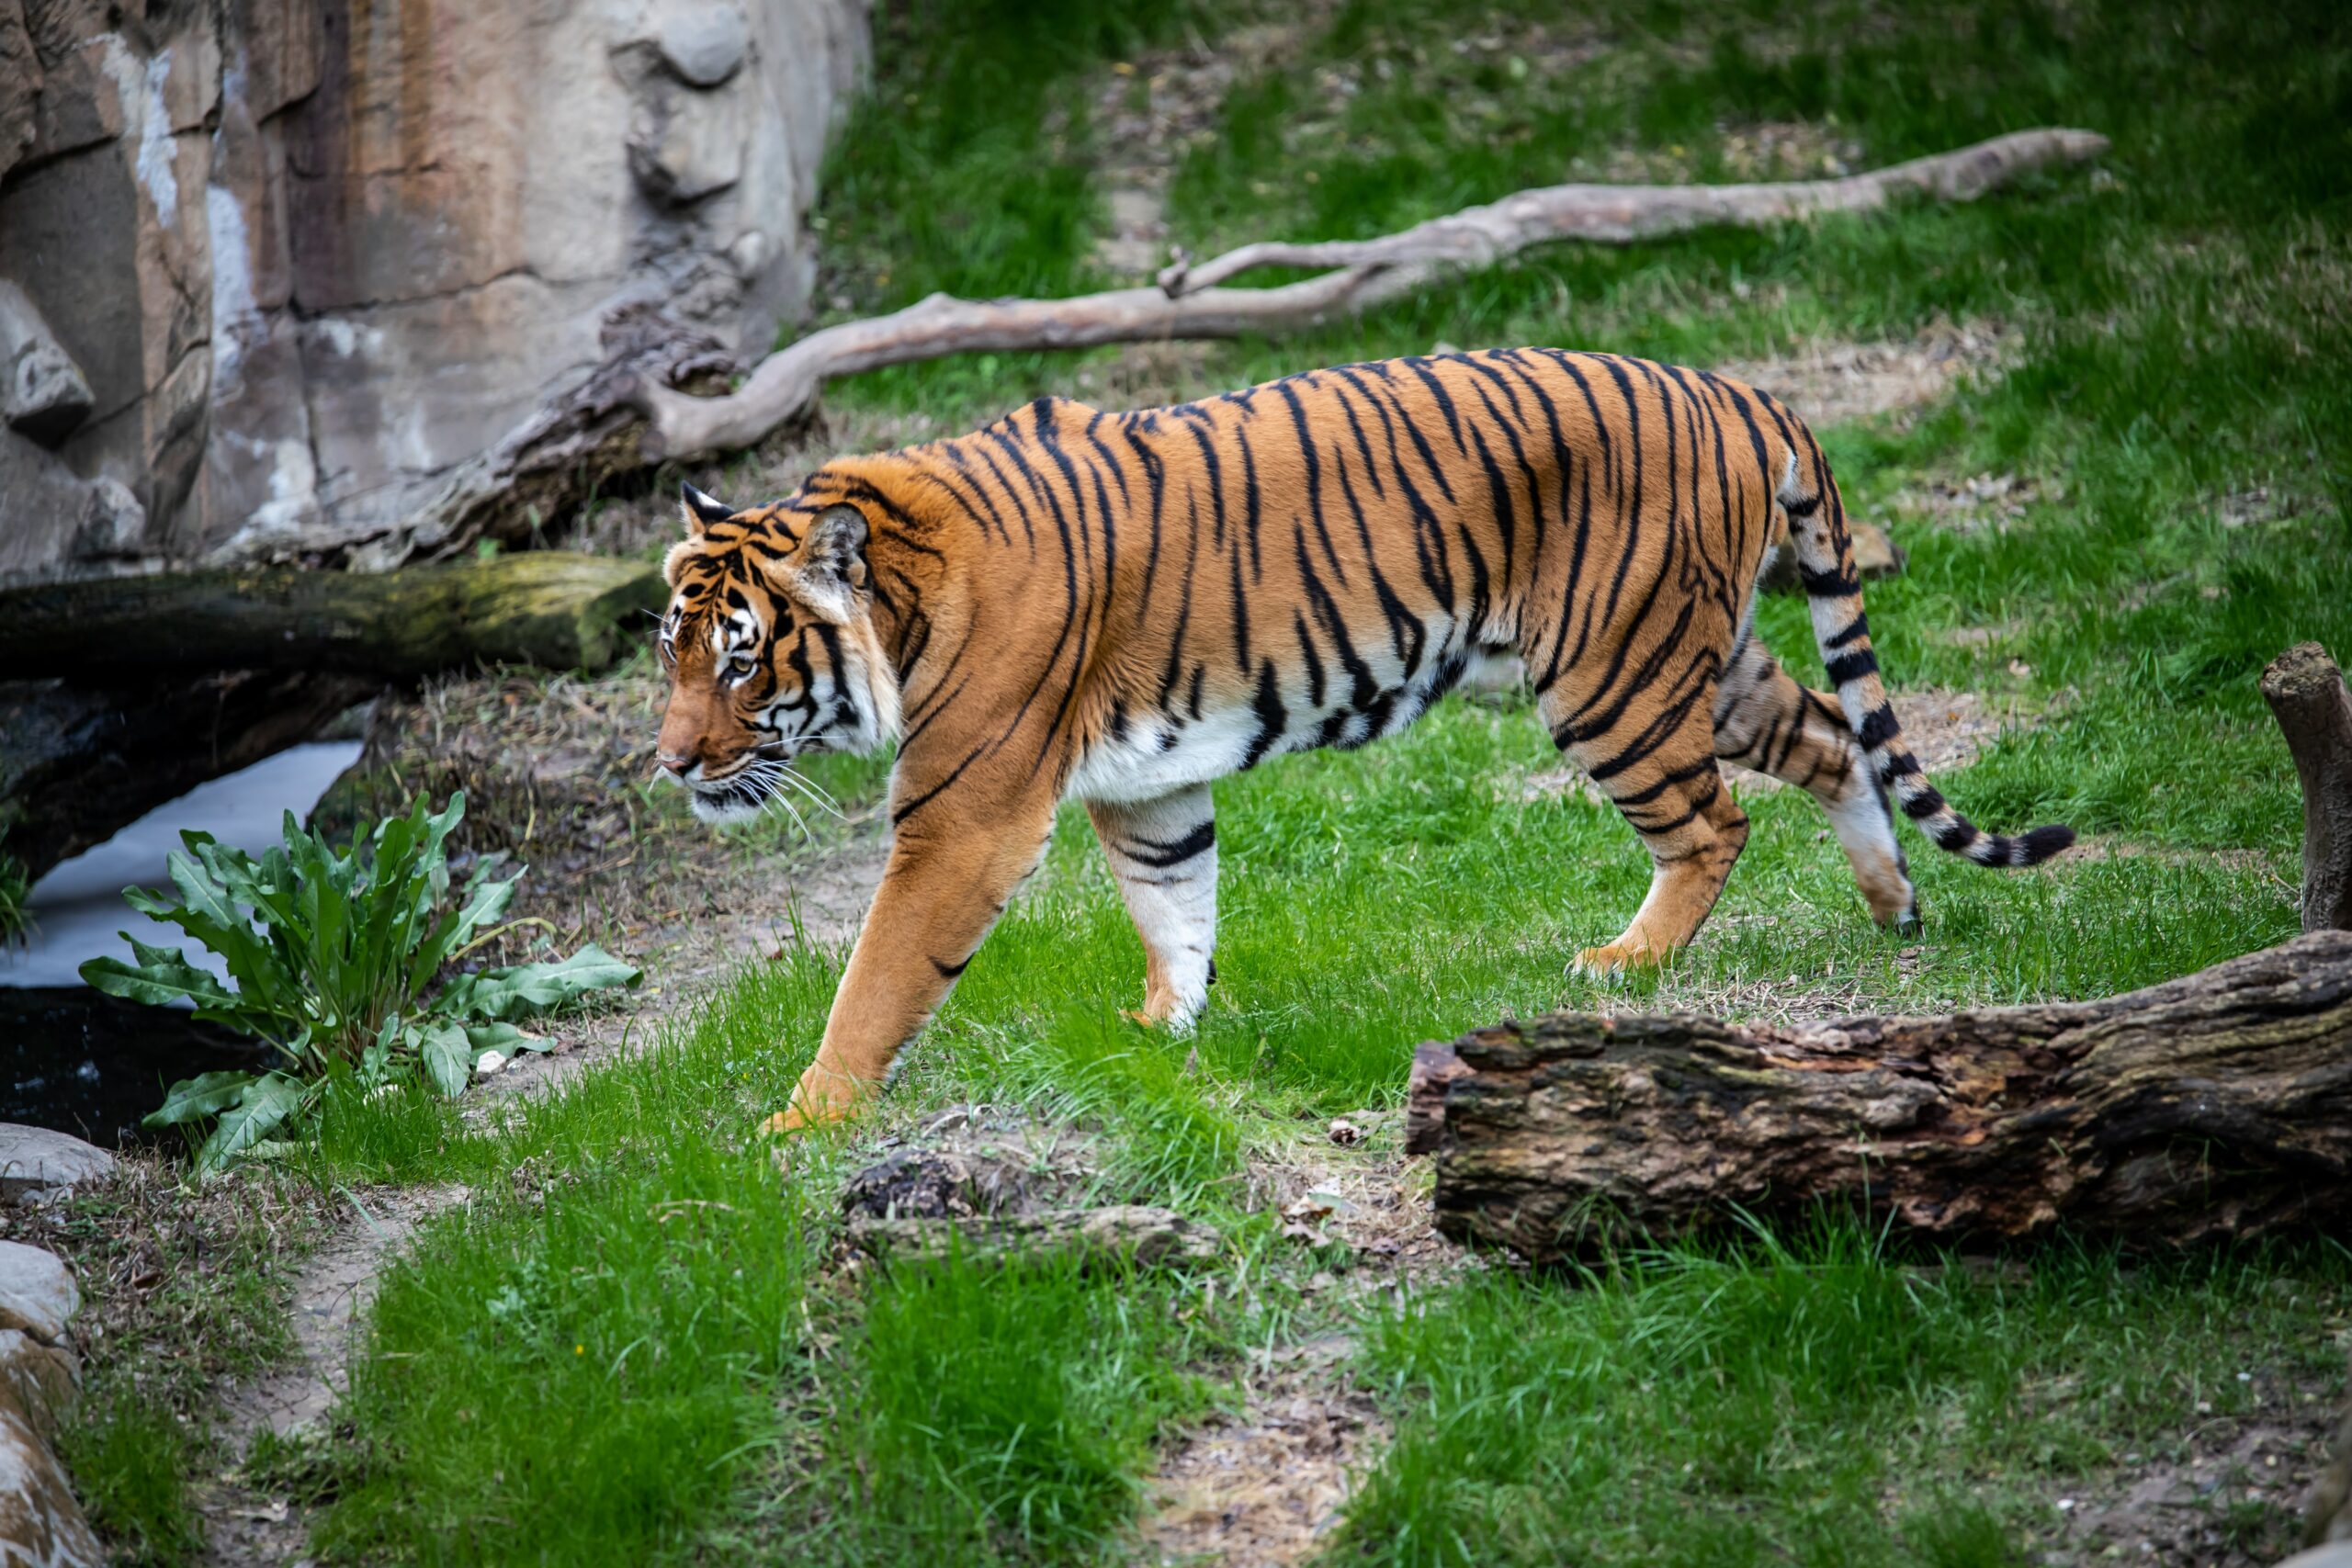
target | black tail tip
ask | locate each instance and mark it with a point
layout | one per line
(2042, 843)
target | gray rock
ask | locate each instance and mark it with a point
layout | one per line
(37, 1292)
(2335, 1554)
(174, 187)
(685, 146)
(41, 1524)
(34, 1159)
(42, 391)
(114, 526)
(42, 1379)
(704, 42)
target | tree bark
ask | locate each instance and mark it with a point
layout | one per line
(78, 762)
(2307, 696)
(1368, 273)
(2212, 1106)
(557, 610)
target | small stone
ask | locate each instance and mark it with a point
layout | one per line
(35, 1158)
(1344, 1133)
(490, 1063)
(704, 43)
(36, 1291)
(42, 393)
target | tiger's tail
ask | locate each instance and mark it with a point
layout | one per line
(1826, 567)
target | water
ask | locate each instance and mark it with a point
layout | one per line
(86, 1063)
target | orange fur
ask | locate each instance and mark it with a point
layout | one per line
(1124, 607)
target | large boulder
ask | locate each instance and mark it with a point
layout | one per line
(276, 269)
(40, 1159)
(39, 1521)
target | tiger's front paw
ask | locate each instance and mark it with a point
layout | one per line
(1617, 958)
(821, 1098)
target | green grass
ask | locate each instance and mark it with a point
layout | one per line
(636, 1344)
(15, 889)
(1768, 1404)
(130, 1457)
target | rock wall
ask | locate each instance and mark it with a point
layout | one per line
(269, 269)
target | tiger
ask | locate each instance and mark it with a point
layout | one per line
(1124, 608)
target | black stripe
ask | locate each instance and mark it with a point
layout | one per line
(1852, 666)
(1160, 856)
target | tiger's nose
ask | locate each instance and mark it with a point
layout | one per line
(674, 762)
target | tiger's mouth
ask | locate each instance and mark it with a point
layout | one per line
(761, 777)
(739, 794)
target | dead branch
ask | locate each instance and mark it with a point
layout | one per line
(2307, 696)
(1369, 273)
(1620, 215)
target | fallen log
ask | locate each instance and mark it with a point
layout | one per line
(2308, 697)
(2218, 1105)
(1366, 273)
(553, 609)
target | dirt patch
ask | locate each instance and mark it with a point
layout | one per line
(1264, 1484)
(248, 1524)
(1830, 382)
(2230, 1492)
(1979, 503)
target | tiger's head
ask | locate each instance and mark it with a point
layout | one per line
(771, 649)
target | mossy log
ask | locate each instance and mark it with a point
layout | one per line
(552, 609)
(2218, 1105)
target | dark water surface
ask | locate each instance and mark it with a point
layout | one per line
(84, 1063)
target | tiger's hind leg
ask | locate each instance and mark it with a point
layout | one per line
(1765, 721)
(1164, 855)
(1659, 770)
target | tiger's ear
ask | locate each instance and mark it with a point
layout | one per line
(702, 510)
(829, 566)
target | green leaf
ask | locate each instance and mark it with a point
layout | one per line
(504, 1037)
(529, 989)
(162, 976)
(191, 1100)
(449, 1058)
(266, 1105)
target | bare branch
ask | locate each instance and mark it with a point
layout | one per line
(1366, 273)
(1619, 215)
(786, 385)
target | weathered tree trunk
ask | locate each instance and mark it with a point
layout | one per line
(2307, 696)
(78, 762)
(557, 610)
(2216, 1105)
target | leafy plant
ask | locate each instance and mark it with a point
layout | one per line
(333, 958)
(15, 887)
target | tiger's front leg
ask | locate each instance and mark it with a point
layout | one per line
(1164, 854)
(947, 880)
